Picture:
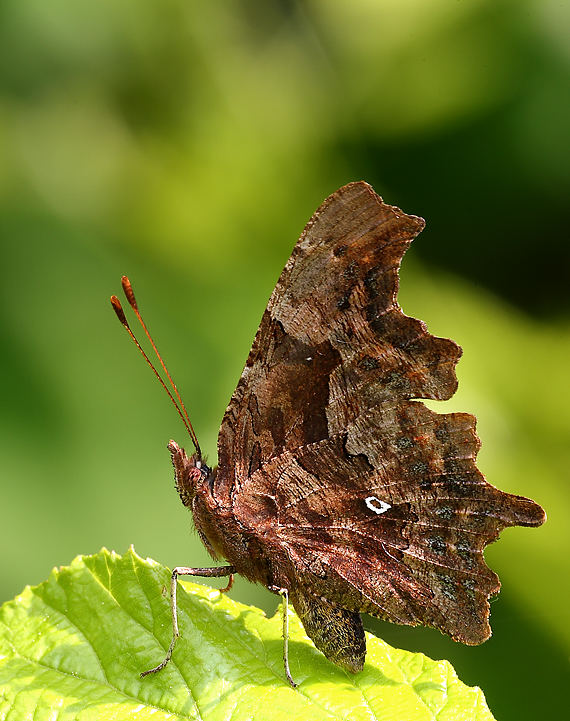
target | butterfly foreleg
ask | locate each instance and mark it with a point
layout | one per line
(229, 584)
(185, 571)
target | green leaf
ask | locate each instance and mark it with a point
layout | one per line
(74, 646)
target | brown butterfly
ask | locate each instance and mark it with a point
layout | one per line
(333, 487)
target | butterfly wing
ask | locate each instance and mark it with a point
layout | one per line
(366, 498)
(401, 536)
(333, 342)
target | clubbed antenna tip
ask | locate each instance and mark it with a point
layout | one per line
(117, 307)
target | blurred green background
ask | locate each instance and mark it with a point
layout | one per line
(187, 144)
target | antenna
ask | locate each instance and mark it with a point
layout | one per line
(115, 302)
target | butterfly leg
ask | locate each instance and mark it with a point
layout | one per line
(230, 583)
(184, 571)
(284, 593)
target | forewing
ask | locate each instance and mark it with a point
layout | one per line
(333, 342)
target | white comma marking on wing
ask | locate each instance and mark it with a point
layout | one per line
(376, 505)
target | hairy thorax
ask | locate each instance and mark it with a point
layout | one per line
(225, 537)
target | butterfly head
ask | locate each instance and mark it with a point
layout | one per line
(189, 473)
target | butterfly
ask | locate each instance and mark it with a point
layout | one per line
(334, 487)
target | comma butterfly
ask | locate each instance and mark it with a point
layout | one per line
(334, 487)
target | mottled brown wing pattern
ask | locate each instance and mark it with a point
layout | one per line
(333, 342)
(401, 539)
(359, 498)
